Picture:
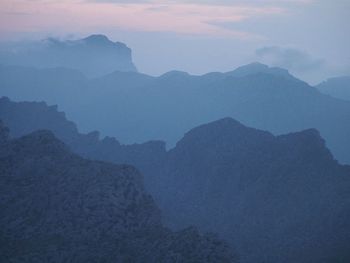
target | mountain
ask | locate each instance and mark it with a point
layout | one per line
(94, 55)
(26, 117)
(61, 85)
(275, 198)
(59, 207)
(134, 107)
(338, 87)
(256, 68)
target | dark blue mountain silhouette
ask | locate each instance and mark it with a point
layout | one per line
(275, 198)
(59, 207)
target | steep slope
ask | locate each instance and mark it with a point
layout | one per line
(25, 117)
(58, 207)
(278, 199)
(256, 67)
(336, 87)
(95, 55)
(164, 108)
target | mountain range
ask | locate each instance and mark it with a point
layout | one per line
(26, 117)
(135, 107)
(255, 155)
(59, 207)
(274, 198)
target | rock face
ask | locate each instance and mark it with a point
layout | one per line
(275, 198)
(26, 117)
(136, 108)
(95, 55)
(4, 133)
(59, 207)
(336, 87)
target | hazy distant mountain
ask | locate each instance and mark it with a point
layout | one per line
(135, 107)
(94, 56)
(26, 117)
(58, 207)
(276, 198)
(255, 68)
(337, 87)
(57, 85)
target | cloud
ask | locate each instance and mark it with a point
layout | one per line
(247, 2)
(119, 1)
(290, 58)
(207, 2)
(178, 17)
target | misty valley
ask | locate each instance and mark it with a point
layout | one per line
(102, 163)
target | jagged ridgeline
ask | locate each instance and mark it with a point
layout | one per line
(274, 198)
(135, 107)
(253, 154)
(58, 207)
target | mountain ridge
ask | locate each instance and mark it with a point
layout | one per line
(59, 207)
(242, 182)
(254, 187)
(263, 100)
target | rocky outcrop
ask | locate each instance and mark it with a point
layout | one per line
(95, 55)
(58, 207)
(26, 117)
(276, 198)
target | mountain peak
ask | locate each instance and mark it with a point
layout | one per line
(217, 127)
(103, 41)
(227, 134)
(94, 56)
(226, 122)
(175, 73)
(254, 66)
(257, 67)
(98, 38)
(308, 146)
(226, 131)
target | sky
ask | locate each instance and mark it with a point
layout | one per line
(310, 38)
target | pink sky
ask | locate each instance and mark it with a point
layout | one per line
(156, 16)
(197, 36)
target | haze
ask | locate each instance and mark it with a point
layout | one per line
(310, 38)
(175, 131)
